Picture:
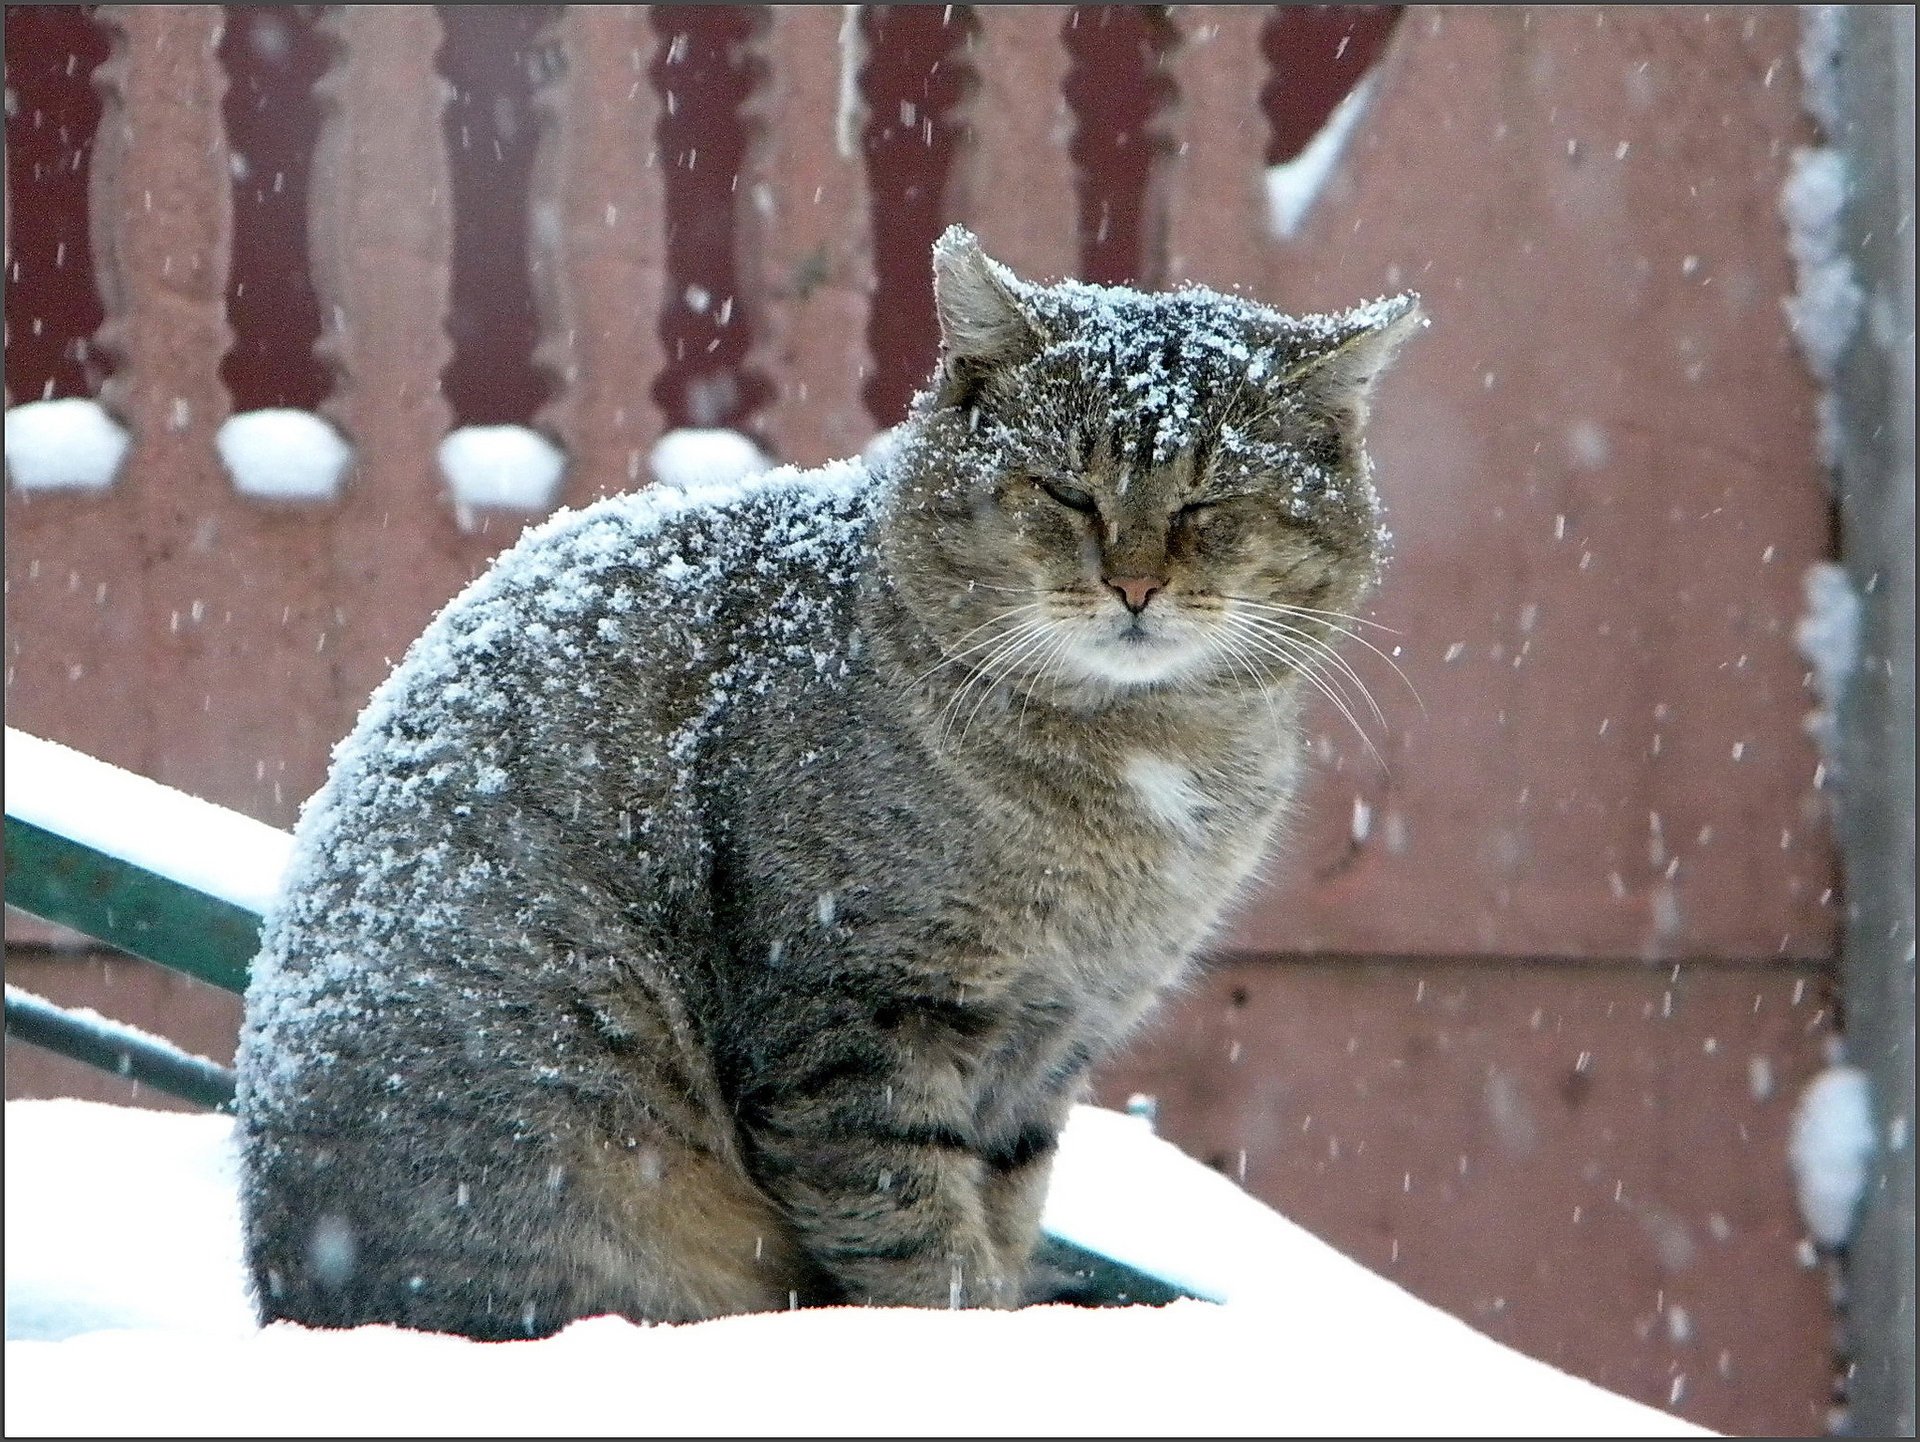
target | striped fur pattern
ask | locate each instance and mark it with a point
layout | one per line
(722, 903)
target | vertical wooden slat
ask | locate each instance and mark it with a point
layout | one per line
(382, 244)
(75, 655)
(222, 718)
(1215, 201)
(53, 114)
(808, 251)
(1122, 100)
(598, 243)
(272, 55)
(1015, 189)
(494, 59)
(914, 82)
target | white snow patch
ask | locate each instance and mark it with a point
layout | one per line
(702, 456)
(283, 454)
(1589, 444)
(1831, 1146)
(168, 832)
(1828, 635)
(63, 445)
(847, 109)
(118, 1217)
(879, 451)
(1824, 310)
(151, 1296)
(510, 467)
(1820, 64)
(1294, 185)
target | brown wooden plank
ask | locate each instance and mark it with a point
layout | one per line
(214, 568)
(1215, 205)
(1586, 1163)
(382, 246)
(807, 252)
(1015, 186)
(1599, 469)
(599, 236)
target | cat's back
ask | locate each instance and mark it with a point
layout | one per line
(639, 611)
(507, 778)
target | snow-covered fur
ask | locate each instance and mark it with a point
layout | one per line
(719, 907)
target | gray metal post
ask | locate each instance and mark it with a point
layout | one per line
(1874, 392)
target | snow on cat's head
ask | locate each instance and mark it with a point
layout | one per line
(1110, 488)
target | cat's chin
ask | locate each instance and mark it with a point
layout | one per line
(1131, 659)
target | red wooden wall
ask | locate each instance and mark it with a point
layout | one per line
(1519, 1016)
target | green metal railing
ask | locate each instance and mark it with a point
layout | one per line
(153, 916)
(164, 920)
(150, 1060)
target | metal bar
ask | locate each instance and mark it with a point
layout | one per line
(150, 1060)
(1098, 1280)
(1874, 398)
(152, 916)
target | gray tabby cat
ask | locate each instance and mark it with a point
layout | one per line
(721, 905)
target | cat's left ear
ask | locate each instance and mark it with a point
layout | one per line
(983, 324)
(1338, 373)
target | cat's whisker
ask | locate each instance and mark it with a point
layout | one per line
(1010, 590)
(1304, 612)
(1046, 664)
(955, 656)
(1307, 639)
(1304, 651)
(1309, 666)
(1001, 645)
(983, 670)
(1007, 664)
(1303, 661)
(1310, 611)
(1224, 644)
(990, 672)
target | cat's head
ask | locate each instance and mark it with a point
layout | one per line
(1114, 489)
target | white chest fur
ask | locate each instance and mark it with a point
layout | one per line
(1167, 791)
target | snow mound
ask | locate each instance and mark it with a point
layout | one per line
(510, 467)
(696, 456)
(63, 445)
(1828, 637)
(1824, 310)
(122, 1262)
(282, 454)
(121, 1218)
(1832, 1146)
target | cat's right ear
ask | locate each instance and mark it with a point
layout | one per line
(983, 325)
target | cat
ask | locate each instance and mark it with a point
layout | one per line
(723, 902)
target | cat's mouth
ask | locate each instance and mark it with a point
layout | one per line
(1134, 649)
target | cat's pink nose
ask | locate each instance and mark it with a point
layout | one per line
(1136, 591)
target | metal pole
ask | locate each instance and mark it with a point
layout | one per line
(149, 1060)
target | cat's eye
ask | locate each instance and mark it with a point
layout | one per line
(1072, 497)
(1195, 509)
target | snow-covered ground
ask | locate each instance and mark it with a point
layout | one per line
(126, 1315)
